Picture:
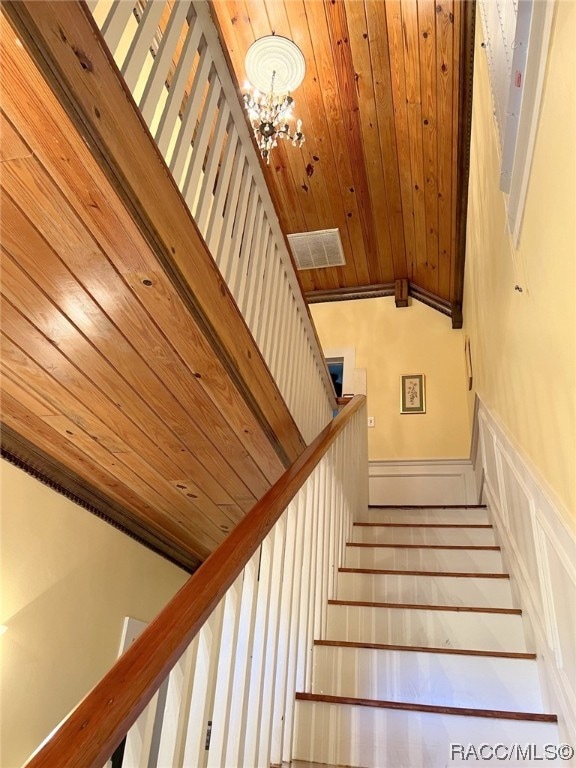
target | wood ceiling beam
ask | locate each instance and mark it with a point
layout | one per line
(401, 292)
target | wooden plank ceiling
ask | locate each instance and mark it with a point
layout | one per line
(115, 383)
(381, 108)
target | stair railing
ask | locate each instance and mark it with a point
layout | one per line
(238, 635)
(170, 58)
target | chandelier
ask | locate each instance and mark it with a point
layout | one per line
(275, 66)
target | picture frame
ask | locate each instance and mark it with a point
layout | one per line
(413, 393)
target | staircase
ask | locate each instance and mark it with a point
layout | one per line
(424, 649)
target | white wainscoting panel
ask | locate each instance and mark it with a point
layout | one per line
(538, 539)
(448, 481)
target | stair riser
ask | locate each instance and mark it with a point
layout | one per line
(426, 590)
(363, 736)
(427, 678)
(450, 536)
(463, 560)
(439, 629)
(459, 516)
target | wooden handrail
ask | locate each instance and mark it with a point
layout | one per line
(89, 735)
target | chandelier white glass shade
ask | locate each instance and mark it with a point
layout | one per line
(275, 66)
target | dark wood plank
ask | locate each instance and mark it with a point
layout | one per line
(368, 130)
(427, 44)
(389, 148)
(427, 506)
(495, 714)
(411, 43)
(425, 649)
(427, 546)
(421, 607)
(330, 102)
(464, 25)
(344, 73)
(445, 69)
(455, 574)
(422, 525)
(394, 25)
(401, 293)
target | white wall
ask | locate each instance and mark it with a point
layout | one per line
(524, 344)
(68, 579)
(389, 342)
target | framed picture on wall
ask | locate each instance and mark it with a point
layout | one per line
(413, 393)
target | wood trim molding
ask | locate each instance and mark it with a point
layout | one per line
(94, 729)
(351, 293)
(497, 714)
(50, 472)
(376, 291)
(468, 24)
(430, 299)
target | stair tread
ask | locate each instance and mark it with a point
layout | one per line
(433, 708)
(424, 607)
(396, 572)
(477, 547)
(422, 525)
(427, 506)
(426, 649)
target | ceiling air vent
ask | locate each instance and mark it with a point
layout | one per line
(316, 250)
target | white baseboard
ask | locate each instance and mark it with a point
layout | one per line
(539, 546)
(450, 481)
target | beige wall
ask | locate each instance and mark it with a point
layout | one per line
(390, 342)
(67, 579)
(524, 345)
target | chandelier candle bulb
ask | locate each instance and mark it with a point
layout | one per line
(274, 66)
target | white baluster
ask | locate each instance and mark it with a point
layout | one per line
(170, 120)
(166, 51)
(141, 42)
(191, 187)
(206, 199)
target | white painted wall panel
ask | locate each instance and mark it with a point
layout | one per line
(538, 538)
(422, 482)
